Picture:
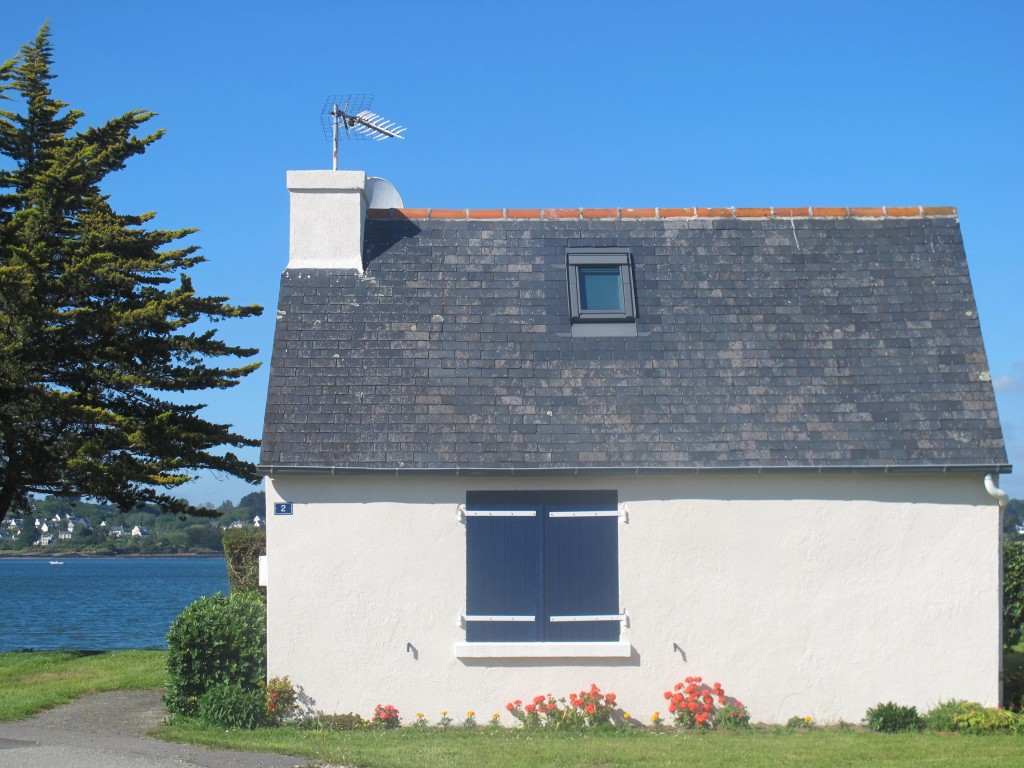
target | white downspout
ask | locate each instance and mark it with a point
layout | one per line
(996, 492)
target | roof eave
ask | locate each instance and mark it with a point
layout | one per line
(819, 469)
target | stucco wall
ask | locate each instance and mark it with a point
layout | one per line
(802, 595)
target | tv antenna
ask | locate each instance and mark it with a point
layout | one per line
(352, 112)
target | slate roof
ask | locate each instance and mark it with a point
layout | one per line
(804, 340)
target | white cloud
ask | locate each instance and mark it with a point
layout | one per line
(1011, 381)
(1007, 382)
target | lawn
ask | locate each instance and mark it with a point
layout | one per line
(514, 748)
(39, 680)
(30, 682)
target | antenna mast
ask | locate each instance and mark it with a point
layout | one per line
(353, 113)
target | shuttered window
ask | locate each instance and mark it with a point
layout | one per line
(542, 567)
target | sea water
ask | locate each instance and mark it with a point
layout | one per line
(104, 603)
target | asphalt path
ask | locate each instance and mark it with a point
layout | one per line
(107, 730)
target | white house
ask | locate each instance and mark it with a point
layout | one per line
(512, 452)
(138, 532)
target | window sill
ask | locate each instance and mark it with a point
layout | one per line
(615, 650)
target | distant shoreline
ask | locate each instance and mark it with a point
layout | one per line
(18, 555)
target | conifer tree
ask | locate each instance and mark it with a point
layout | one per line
(98, 316)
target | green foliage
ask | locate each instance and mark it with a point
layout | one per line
(97, 316)
(1013, 591)
(1013, 519)
(215, 640)
(1013, 678)
(800, 722)
(279, 699)
(621, 748)
(37, 680)
(733, 716)
(169, 534)
(976, 719)
(892, 718)
(242, 549)
(385, 716)
(349, 721)
(942, 718)
(229, 705)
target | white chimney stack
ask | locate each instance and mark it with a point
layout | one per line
(328, 209)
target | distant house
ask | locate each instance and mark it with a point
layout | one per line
(257, 522)
(117, 531)
(45, 540)
(520, 451)
(138, 532)
(6, 536)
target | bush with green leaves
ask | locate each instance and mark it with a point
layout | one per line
(218, 639)
(942, 717)
(976, 719)
(229, 705)
(242, 550)
(892, 718)
(349, 721)
(1013, 592)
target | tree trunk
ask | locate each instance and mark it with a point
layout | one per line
(7, 494)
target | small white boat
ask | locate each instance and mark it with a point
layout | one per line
(56, 562)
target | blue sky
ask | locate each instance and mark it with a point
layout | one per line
(558, 104)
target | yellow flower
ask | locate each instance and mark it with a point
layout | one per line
(655, 717)
(444, 712)
(495, 716)
(626, 716)
(471, 713)
(419, 714)
(808, 719)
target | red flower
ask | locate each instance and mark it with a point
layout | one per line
(510, 706)
(591, 709)
(538, 699)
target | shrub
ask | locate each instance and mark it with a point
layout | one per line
(800, 722)
(231, 706)
(350, 721)
(1013, 592)
(733, 716)
(588, 708)
(215, 640)
(976, 719)
(279, 699)
(892, 718)
(242, 550)
(385, 716)
(593, 707)
(942, 717)
(692, 703)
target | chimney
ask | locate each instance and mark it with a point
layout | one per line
(328, 209)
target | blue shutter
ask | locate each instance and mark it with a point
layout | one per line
(503, 568)
(581, 566)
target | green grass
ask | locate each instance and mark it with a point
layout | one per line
(515, 748)
(30, 682)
